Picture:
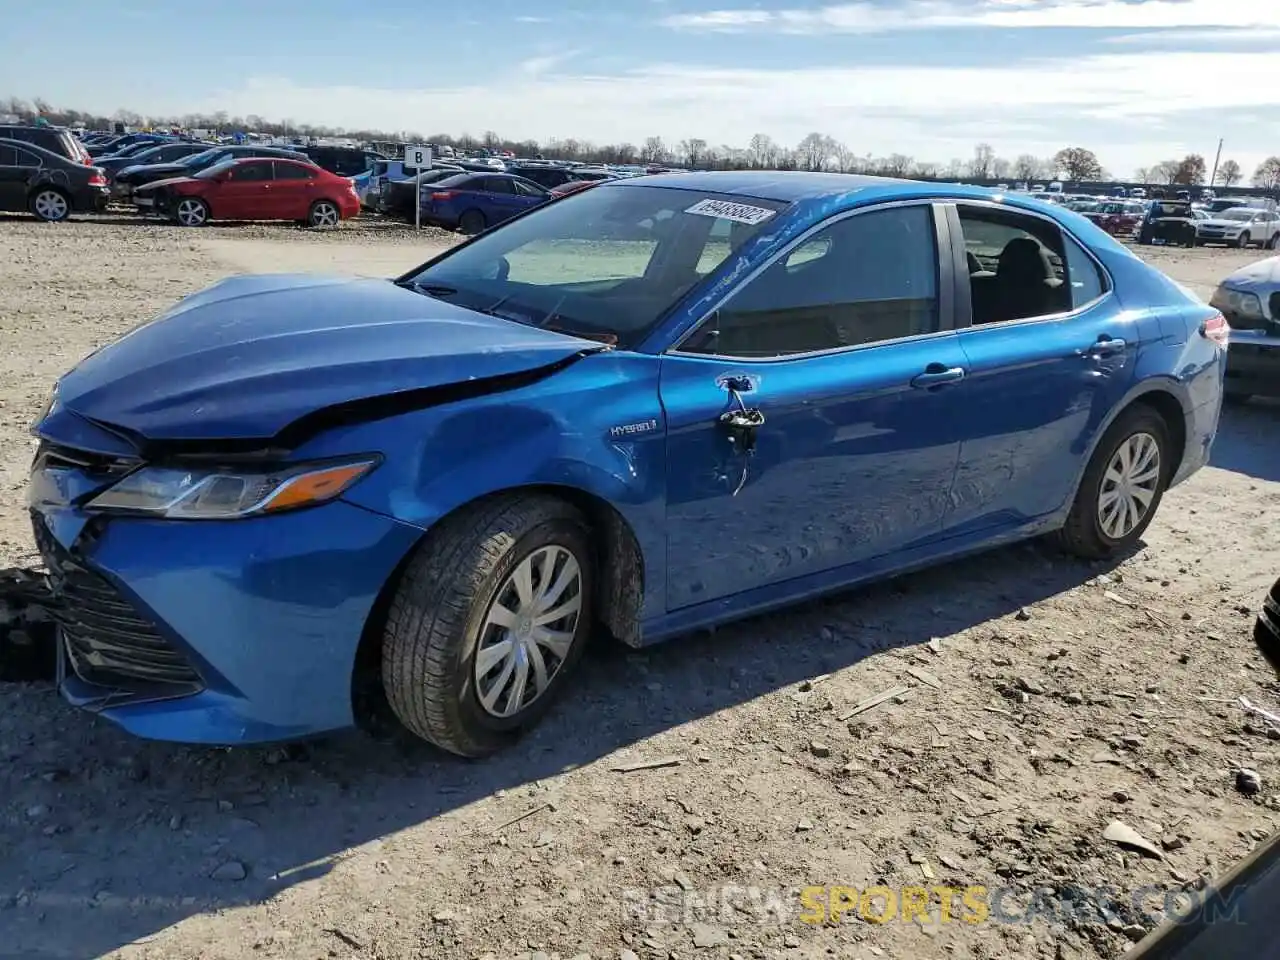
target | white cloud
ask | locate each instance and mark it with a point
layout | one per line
(869, 17)
(1184, 37)
(1130, 108)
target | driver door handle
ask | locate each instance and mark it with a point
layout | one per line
(935, 375)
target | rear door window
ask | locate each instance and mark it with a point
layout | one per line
(293, 171)
(498, 185)
(8, 156)
(252, 172)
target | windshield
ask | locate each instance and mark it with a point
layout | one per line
(196, 159)
(604, 264)
(1240, 216)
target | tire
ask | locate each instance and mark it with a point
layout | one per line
(439, 623)
(1244, 240)
(190, 212)
(472, 222)
(50, 204)
(1084, 533)
(324, 214)
(1274, 242)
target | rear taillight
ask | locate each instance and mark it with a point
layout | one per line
(97, 180)
(1216, 329)
(444, 195)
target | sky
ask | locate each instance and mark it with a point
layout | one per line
(1136, 81)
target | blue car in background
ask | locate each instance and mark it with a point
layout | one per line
(643, 409)
(472, 202)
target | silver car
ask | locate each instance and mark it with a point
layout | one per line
(1250, 300)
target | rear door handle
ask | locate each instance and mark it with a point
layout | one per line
(936, 375)
(1106, 347)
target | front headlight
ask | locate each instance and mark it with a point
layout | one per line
(1238, 302)
(47, 409)
(229, 494)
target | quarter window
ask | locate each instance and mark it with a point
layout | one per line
(293, 171)
(865, 279)
(1087, 283)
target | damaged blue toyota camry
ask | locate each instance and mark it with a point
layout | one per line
(642, 409)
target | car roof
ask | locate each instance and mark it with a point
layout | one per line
(37, 149)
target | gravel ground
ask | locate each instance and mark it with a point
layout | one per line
(1045, 699)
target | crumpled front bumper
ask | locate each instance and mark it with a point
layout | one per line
(265, 614)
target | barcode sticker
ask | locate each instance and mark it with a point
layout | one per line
(728, 210)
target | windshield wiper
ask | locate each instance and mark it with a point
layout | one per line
(438, 290)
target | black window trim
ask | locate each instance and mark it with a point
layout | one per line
(945, 289)
(963, 296)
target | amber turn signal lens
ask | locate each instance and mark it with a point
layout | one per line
(317, 486)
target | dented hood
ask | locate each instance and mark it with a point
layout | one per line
(251, 356)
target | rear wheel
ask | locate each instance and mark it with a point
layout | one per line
(488, 621)
(1274, 241)
(324, 213)
(472, 222)
(191, 212)
(50, 205)
(1121, 488)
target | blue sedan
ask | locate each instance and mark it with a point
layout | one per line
(472, 202)
(643, 409)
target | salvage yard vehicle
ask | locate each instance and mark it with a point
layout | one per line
(130, 178)
(1250, 301)
(57, 140)
(1241, 227)
(472, 202)
(152, 153)
(47, 183)
(253, 189)
(1170, 221)
(649, 407)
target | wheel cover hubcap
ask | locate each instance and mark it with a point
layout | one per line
(1129, 485)
(326, 215)
(528, 630)
(52, 205)
(190, 211)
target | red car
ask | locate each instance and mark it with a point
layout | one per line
(1119, 218)
(573, 186)
(253, 188)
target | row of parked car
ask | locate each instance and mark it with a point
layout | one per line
(1234, 221)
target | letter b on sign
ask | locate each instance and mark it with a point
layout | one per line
(417, 157)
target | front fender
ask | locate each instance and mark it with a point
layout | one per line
(596, 428)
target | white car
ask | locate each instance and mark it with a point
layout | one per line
(1241, 227)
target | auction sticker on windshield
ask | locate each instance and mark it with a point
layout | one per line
(728, 210)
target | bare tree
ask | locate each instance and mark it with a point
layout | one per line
(1267, 176)
(846, 159)
(654, 150)
(1166, 171)
(1026, 167)
(813, 151)
(1000, 168)
(897, 165)
(762, 151)
(1229, 174)
(694, 151)
(983, 157)
(925, 171)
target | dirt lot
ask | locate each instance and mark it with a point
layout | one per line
(1046, 699)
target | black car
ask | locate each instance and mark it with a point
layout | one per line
(1168, 221)
(47, 183)
(130, 178)
(57, 140)
(396, 199)
(153, 153)
(344, 161)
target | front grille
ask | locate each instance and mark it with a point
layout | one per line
(108, 642)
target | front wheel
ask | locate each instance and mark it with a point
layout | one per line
(1121, 488)
(191, 212)
(50, 205)
(490, 617)
(324, 213)
(1244, 240)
